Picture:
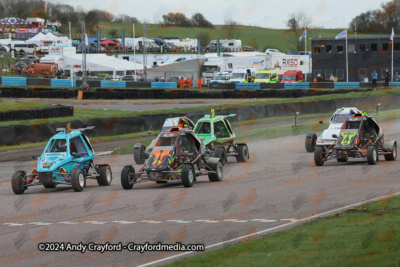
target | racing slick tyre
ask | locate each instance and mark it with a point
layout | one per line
(220, 153)
(77, 180)
(18, 182)
(311, 142)
(393, 155)
(218, 175)
(105, 177)
(319, 155)
(46, 178)
(126, 180)
(243, 152)
(138, 153)
(187, 175)
(372, 155)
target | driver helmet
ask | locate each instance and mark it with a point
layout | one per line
(61, 146)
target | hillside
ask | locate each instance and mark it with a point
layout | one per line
(251, 36)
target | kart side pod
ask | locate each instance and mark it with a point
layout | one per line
(213, 163)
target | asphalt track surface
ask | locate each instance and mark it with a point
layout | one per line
(276, 189)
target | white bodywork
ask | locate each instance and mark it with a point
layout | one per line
(239, 75)
(336, 123)
(222, 77)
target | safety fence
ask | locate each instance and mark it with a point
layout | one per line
(31, 114)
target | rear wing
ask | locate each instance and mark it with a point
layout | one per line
(68, 129)
(229, 116)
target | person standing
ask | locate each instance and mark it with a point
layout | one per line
(387, 78)
(332, 78)
(188, 82)
(397, 77)
(374, 79)
(199, 82)
(182, 83)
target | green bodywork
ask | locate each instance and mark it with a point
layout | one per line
(209, 139)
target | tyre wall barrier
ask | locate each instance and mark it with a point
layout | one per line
(163, 85)
(62, 83)
(38, 82)
(31, 114)
(10, 135)
(346, 85)
(248, 86)
(297, 85)
(112, 84)
(13, 81)
(17, 134)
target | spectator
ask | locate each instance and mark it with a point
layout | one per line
(387, 78)
(165, 80)
(332, 78)
(374, 79)
(397, 77)
(156, 79)
(366, 79)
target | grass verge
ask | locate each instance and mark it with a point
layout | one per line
(87, 114)
(9, 105)
(363, 236)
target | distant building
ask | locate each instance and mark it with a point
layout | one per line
(366, 54)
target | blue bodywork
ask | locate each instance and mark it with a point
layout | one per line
(53, 160)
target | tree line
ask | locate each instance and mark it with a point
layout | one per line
(381, 20)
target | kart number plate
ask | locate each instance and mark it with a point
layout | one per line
(47, 165)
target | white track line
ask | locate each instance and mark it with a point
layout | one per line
(324, 214)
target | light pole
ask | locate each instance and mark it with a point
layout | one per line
(84, 54)
(377, 108)
(134, 49)
(295, 119)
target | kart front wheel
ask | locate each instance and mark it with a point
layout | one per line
(126, 180)
(311, 142)
(187, 175)
(392, 156)
(18, 182)
(319, 155)
(372, 155)
(243, 152)
(220, 153)
(105, 177)
(77, 180)
(138, 153)
(218, 175)
(46, 178)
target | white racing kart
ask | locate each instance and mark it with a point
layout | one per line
(335, 124)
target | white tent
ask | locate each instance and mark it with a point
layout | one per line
(35, 39)
(49, 37)
(98, 63)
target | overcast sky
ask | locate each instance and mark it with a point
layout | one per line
(271, 14)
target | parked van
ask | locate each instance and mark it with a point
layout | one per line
(266, 76)
(27, 48)
(222, 77)
(45, 70)
(292, 77)
(241, 75)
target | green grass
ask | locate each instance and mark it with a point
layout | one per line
(93, 140)
(87, 114)
(17, 105)
(364, 236)
(251, 36)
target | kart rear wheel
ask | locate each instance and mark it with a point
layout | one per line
(105, 177)
(243, 152)
(220, 153)
(126, 180)
(393, 155)
(18, 183)
(372, 155)
(138, 154)
(218, 175)
(187, 175)
(77, 180)
(311, 143)
(46, 178)
(319, 155)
